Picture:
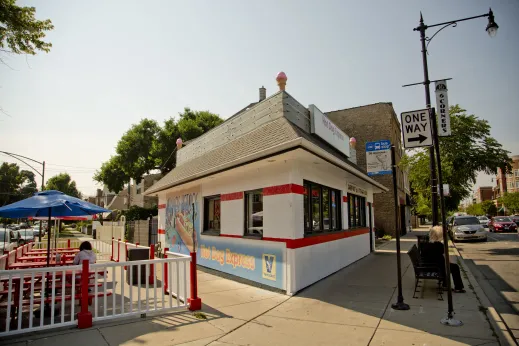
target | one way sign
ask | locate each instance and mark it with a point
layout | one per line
(416, 127)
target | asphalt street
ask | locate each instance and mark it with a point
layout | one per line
(495, 265)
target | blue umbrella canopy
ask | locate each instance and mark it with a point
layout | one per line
(51, 202)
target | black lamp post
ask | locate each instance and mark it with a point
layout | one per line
(42, 173)
(492, 31)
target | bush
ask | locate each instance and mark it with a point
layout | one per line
(138, 213)
(387, 237)
(379, 232)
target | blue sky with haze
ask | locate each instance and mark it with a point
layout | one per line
(116, 62)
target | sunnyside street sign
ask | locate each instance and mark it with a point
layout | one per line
(416, 128)
(442, 108)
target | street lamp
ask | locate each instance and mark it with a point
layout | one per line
(492, 31)
(42, 173)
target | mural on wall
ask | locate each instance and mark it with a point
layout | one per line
(181, 231)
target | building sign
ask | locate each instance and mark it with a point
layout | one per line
(328, 131)
(269, 267)
(416, 129)
(442, 108)
(378, 158)
(356, 190)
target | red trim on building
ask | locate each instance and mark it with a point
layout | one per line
(283, 189)
(161, 231)
(231, 196)
(309, 241)
(162, 206)
(345, 199)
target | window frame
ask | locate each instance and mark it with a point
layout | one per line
(359, 218)
(206, 230)
(246, 233)
(308, 229)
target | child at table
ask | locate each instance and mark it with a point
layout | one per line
(85, 253)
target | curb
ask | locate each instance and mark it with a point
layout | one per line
(498, 326)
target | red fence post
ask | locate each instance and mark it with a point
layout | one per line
(166, 271)
(118, 249)
(112, 256)
(195, 303)
(16, 254)
(68, 243)
(152, 268)
(84, 318)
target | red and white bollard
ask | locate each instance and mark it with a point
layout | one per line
(118, 249)
(68, 243)
(84, 318)
(195, 303)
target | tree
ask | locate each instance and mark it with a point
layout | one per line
(475, 209)
(20, 31)
(64, 183)
(511, 201)
(15, 185)
(147, 146)
(489, 208)
(469, 150)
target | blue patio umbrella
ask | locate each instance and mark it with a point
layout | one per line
(50, 204)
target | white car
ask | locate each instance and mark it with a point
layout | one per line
(467, 228)
(484, 221)
(8, 240)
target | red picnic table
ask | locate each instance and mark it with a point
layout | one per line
(39, 264)
(40, 258)
(60, 250)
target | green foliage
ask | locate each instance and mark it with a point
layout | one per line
(15, 184)
(147, 146)
(387, 237)
(475, 209)
(511, 201)
(64, 183)
(489, 208)
(20, 31)
(468, 151)
(139, 213)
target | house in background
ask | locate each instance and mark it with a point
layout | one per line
(372, 123)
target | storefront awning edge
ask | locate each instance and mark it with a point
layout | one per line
(340, 163)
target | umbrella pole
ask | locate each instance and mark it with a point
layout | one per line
(48, 238)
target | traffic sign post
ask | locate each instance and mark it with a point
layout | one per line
(416, 129)
(378, 157)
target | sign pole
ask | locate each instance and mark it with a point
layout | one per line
(399, 305)
(449, 320)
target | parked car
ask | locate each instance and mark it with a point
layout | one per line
(502, 224)
(36, 230)
(466, 228)
(25, 236)
(483, 220)
(8, 240)
(515, 218)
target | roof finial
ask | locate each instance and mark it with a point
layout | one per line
(281, 78)
(421, 17)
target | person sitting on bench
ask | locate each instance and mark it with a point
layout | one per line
(432, 252)
(85, 253)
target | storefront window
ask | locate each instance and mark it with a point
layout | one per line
(357, 211)
(212, 214)
(321, 210)
(254, 213)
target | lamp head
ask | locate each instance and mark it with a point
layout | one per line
(492, 26)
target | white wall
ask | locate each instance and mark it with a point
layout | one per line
(313, 263)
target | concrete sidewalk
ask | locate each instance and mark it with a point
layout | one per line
(350, 307)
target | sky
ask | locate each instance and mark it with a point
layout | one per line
(116, 62)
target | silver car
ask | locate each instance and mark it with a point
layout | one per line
(467, 228)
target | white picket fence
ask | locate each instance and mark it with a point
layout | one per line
(160, 285)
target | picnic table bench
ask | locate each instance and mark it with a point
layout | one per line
(39, 264)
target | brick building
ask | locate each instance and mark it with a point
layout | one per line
(372, 123)
(507, 182)
(483, 193)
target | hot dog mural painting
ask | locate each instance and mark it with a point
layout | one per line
(181, 232)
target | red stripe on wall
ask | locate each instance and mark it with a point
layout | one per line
(232, 196)
(345, 199)
(161, 231)
(283, 189)
(309, 241)
(162, 206)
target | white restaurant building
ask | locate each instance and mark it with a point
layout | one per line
(271, 195)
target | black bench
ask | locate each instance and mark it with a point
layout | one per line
(425, 271)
